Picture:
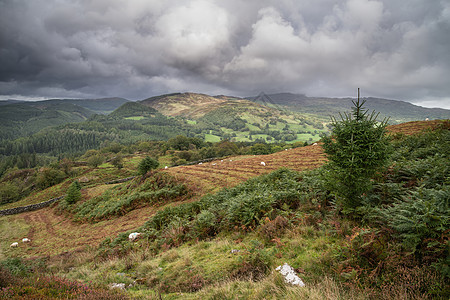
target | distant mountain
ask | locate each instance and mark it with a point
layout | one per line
(99, 106)
(10, 101)
(397, 111)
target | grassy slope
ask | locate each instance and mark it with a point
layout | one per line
(208, 177)
(54, 234)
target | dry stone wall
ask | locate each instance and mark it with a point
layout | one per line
(21, 209)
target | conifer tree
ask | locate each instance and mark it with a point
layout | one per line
(73, 193)
(356, 150)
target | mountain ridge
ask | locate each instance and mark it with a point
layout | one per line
(397, 111)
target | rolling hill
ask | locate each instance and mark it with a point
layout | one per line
(25, 118)
(237, 119)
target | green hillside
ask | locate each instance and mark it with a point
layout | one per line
(237, 119)
(133, 109)
(25, 118)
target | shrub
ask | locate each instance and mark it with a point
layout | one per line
(147, 164)
(9, 192)
(15, 266)
(422, 221)
(117, 162)
(95, 160)
(48, 177)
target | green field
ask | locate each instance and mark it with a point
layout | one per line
(135, 118)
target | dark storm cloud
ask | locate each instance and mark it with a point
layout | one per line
(135, 49)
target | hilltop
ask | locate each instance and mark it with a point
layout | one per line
(185, 104)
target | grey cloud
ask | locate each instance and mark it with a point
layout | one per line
(136, 49)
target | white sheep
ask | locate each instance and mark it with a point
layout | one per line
(133, 236)
(315, 144)
(263, 163)
(166, 167)
(26, 240)
(214, 164)
(15, 244)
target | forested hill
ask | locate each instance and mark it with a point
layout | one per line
(397, 111)
(25, 118)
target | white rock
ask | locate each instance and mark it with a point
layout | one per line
(26, 240)
(15, 244)
(133, 236)
(315, 144)
(289, 275)
(263, 163)
(166, 167)
(117, 286)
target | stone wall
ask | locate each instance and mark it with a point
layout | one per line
(120, 180)
(21, 209)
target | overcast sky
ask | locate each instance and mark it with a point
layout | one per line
(396, 49)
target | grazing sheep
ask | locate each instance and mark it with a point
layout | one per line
(15, 244)
(26, 240)
(263, 163)
(214, 164)
(133, 236)
(315, 144)
(200, 163)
